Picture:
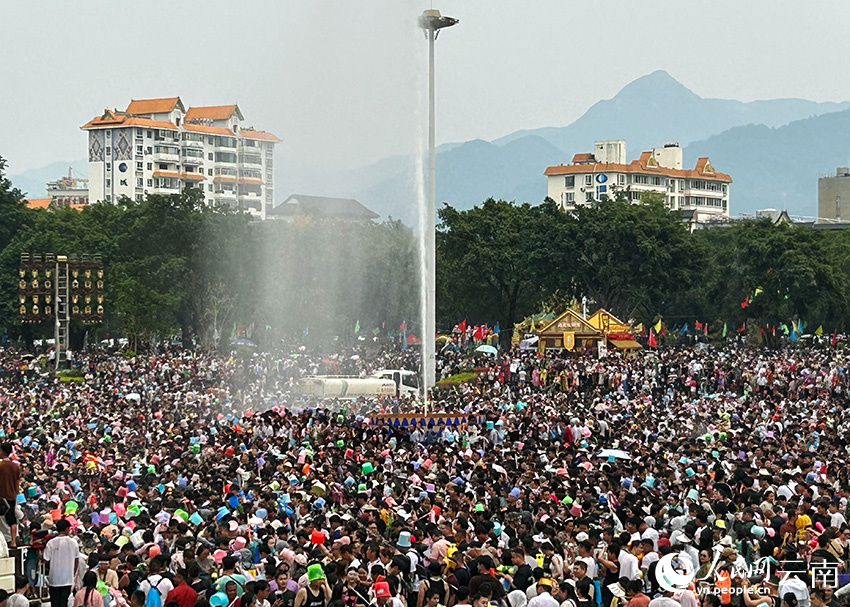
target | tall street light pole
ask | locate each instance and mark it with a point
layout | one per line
(431, 21)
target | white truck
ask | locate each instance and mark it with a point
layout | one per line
(394, 382)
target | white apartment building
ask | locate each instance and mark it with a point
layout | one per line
(157, 146)
(606, 172)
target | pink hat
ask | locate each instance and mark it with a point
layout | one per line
(218, 555)
(238, 544)
(288, 554)
(575, 510)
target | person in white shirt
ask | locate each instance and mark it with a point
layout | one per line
(61, 554)
(794, 585)
(544, 596)
(628, 564)
(156, 581)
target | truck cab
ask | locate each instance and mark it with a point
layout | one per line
(407, 382)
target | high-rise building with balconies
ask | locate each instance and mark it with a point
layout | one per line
(157, 146)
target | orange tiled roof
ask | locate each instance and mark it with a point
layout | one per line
(254, 134)
(192, 176)
(212, 130)
(111, 119)
(224, 178)
(642, 165)
(212, 112)
(78, 206)
(250, 180)
(38, 203)
(587, 157)
(152, 106)
(167, 174)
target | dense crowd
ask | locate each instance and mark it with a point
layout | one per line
(672, 478)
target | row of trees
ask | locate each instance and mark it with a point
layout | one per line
(175, 266)
(503, 261)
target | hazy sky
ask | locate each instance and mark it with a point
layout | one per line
(343, 82)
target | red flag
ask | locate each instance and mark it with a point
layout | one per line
(462, 326)
(698, 325)
(663, 329)
(742, 328)
(746, 302)
(834, 337)
(705, 329)
(478, 333)
(651, 342)
(401, 327)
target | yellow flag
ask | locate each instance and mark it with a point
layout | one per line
(658, 326)
(639, 329)
(819, 330)
(532, 326)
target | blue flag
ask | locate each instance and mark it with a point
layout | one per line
(793, 335)
(684, 329)
(496, 328)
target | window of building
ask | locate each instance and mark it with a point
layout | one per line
(108, 182)
(225, 157)
(150, 166)
(108, 197)
(209, 172)
(109, 134)
(177, 121)
(108, 166)
(140, 166)
(149, 150)
(139, 134)
(140, 150)
(108, 151)
(621, 179)
(681, 184)
(150, 182)
(209, 156)
(210, 140)
(209, 188)
(603, 189)
(138, 198)
(569, 197)
(163, 166)
(588, 196)
(588, 180)
(570, 181)
(139, 182)
(148, 134)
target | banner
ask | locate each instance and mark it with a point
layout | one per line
(569, 340)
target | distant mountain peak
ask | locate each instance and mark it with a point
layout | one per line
(656, 83)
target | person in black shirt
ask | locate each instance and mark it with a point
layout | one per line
(584, 585)
(522, 577)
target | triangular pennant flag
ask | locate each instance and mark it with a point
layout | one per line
(819, 330)
(658, 326)
(357, 326)
(725, 329)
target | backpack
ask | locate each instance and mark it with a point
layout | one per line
(154, 599)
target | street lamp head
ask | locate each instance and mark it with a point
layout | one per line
(431, 19)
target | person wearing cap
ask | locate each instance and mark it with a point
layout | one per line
(104, 573)
(544, 596)
(316, 593)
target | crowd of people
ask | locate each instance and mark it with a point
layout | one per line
(673, 478)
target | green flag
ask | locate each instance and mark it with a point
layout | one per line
(357, 327)
(375, 331)
(724, 329)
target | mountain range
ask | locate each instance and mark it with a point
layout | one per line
(773, 149)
